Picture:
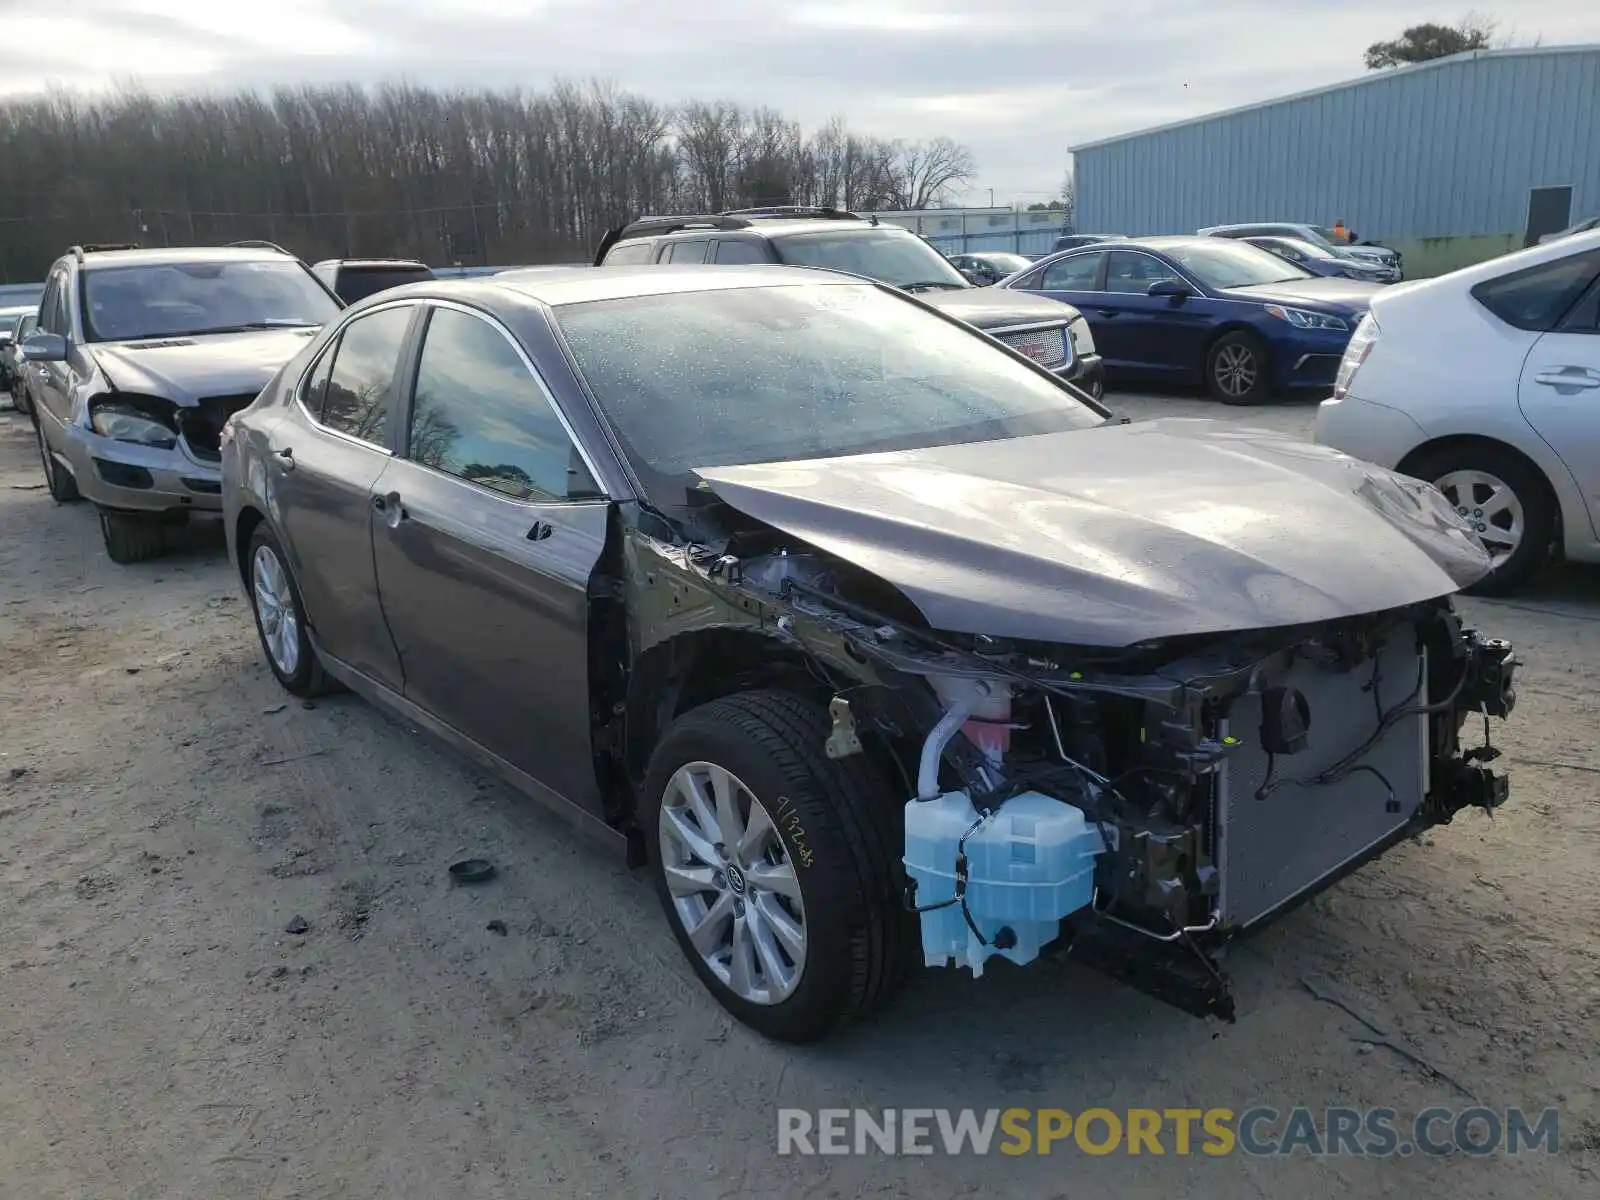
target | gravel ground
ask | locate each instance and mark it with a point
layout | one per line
(165, 812)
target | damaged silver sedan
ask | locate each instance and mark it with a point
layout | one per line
(875, 642)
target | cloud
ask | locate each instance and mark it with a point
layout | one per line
(1017, 80)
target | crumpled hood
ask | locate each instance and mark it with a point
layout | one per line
(995, 308)
(1121, 533)
(185, 369)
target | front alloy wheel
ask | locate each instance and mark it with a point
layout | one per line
(1236, 369)
(778, 867)
(733, 887)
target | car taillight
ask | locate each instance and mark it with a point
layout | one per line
(1355, 353)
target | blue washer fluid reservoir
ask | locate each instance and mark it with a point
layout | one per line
(1029, 864)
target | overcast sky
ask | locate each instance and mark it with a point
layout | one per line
(1016, 80)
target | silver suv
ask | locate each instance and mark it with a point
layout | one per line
(138, 359)
(1318, 235)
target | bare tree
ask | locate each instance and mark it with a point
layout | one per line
(927, 172)
(471, 176)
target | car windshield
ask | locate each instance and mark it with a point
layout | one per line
(1309, 249)
(1218, 263)
(1328, 235)
(8, 322)
(814, 370)
(893, 257)
(1009, 263)
(185, 299)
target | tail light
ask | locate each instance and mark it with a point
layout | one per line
(1355, 353)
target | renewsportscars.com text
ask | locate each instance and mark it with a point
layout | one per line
(1257, 1131)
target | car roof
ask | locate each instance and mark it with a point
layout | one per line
(582, 285)
(171, 255)
(409, 264)
(770, 227)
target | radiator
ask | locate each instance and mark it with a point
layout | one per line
(1269, 851)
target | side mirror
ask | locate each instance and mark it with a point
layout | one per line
(1175, 289)
(42, 346)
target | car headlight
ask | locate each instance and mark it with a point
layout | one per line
(143, 421)
(1301, 319)
(1082, 338)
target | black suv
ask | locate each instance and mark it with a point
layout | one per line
(1053, 334)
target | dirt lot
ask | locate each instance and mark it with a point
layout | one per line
(164, 813)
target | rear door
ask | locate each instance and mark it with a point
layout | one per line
(491, 528)
(326, 455)
(1559, 390)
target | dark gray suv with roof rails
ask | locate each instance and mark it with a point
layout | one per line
(1054, 335)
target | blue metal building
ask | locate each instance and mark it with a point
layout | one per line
(1449, 162)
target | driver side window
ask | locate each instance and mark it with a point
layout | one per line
(1131, 273)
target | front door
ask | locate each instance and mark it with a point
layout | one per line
(1162, 336)
(488, 530)
(1559, 393)
(52, 381)
(327, 454)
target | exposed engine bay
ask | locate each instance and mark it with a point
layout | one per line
(1185, 789)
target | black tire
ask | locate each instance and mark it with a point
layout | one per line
(1238, 370)
(63, 487)
(308, 677)
(841, 830)
(132, 537)
(1531, 492)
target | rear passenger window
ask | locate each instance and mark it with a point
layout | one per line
(1585, 316)
(479, 414)
(360, 389)
(628, 254)
(686, 252)
(739, 252)
(1536, 298)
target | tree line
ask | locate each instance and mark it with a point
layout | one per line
(468, 177)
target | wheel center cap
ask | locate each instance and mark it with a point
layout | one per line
(735, 878)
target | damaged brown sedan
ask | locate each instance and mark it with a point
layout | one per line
(879, 644)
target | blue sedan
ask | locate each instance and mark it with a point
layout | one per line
(1190, 310)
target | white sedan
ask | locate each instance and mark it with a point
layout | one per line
(1486, 382)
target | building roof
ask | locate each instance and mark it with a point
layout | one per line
(1360, 81)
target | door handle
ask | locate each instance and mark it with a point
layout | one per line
(287, 455)
(393, 511)
(540, 531)
(1106, 312)
(1569, 377)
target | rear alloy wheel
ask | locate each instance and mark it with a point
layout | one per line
(1236, 369)
(778, 867)
(132, 537)
(281, 619)
(1506, 504)
(63, 487)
